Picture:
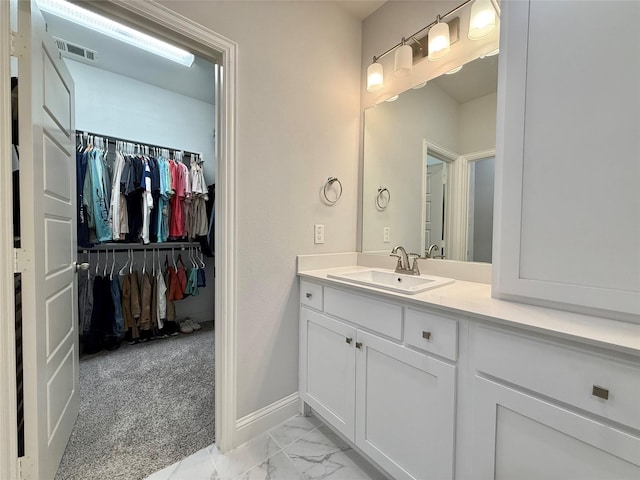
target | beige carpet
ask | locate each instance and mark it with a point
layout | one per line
(142, 407)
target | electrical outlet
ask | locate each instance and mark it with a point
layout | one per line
(318, 233)
(386, 234)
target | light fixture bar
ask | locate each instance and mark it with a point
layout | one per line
(462, 5)
(116, 30)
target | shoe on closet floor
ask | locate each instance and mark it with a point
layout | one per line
(185, 327)
(193, 324)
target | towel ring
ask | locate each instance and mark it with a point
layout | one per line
(382, 200)
(328, 184)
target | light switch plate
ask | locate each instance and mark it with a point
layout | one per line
(386, 234)
(318, 233)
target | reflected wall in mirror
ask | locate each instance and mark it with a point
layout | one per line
(433, 148)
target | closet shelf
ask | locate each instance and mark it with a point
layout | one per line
(139, 246)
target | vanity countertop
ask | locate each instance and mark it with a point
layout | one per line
(474, 299)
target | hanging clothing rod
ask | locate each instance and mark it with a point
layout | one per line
(117, 139)
(139, 246)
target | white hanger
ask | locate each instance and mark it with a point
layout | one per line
(113, 263)
(144, 262)
(97, 261)
(122, 270)
(173, 259)
(106, 262)
(132, 260)
(89, 262)
(201, 258)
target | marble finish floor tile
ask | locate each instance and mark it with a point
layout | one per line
(292, 429)
(301, 448)
(244, 457)
(322, 454)
(277, 467)
(197, 466)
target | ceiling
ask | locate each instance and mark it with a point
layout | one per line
(475, 80)
(124, 59)
(121, 58)
(361, 9)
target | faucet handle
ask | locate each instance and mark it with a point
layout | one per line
(414, 268)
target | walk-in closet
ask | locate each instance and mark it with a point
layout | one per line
(144, 176)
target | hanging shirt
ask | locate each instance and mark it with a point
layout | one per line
(99, 196)
(176, 220)
(116, 198)
(147, 201)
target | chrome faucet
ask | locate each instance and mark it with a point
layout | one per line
(431, 249)
(403, 261)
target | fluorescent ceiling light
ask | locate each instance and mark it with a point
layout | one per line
(116, 30)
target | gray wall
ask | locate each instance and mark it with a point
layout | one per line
(297, 124)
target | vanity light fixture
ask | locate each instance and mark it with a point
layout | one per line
(482, 20)
(375, 76)
(116, 30)
(439, 38)
(439, 41)
(403, 63)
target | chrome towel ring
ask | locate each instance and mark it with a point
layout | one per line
(329, 185)
(383, 198)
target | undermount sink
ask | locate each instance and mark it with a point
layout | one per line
(389, 280)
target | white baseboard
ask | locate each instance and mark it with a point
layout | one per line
(267, 417)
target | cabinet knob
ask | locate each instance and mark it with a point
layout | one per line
(600, 392)
(426, 335)
(358, 344)
(349, 340)
(309, 295)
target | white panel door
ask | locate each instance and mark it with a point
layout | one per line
(405, 408)
(329, 369)
(48, 198)
(520, 436)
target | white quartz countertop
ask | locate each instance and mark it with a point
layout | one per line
(474, 300)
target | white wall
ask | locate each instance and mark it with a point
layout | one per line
(478, 125)
(297, 124)
(120, 106)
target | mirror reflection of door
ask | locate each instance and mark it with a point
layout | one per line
(480, 231)
(435, 204)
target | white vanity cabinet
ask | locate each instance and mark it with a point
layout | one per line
(563, 107)
(549, 411)
(393, 402)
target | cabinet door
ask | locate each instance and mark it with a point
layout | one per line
(567, 222)
(520, 436)
(405, 404)
(328, 369)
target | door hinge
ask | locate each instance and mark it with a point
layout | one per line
(12, 46)
(17, 44)
(19, 260)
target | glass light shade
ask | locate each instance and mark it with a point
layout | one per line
(439, 42)
(403, 63)
(482, 20)
(375, 77)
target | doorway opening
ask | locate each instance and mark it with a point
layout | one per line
(102, 264)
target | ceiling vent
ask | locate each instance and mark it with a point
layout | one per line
(76, 52)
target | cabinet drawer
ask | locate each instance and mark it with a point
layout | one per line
(381, 317)
(311, 294)
(598, 384)
(432, 333)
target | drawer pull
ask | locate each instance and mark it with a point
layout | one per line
(600, 392)
(358, 344)
(309, 295)
(349, 340)
(426, 335)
